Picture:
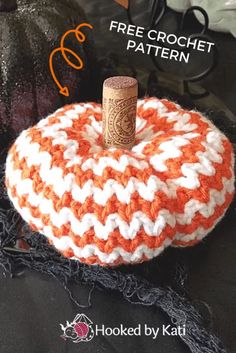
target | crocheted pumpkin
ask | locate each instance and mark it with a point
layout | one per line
(115, 206)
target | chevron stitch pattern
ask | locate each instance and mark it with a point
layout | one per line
(112, 207)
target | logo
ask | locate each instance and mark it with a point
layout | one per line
(82, 329)
(79, 330)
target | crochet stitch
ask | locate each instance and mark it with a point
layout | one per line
(115, 206)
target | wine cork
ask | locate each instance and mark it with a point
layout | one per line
(119, 111)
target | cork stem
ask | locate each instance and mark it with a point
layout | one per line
(119, 111)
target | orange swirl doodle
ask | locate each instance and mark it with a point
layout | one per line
(124, 3)
(65, 51)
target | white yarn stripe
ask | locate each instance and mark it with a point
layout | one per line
(181, 121)
(62, 184)
(155, 104)
(217, 198)
(111, 187)
(89, 220)
(120, 165)
(91, 249)
(54, 176)
(170, 150)
(72, 114)
(140, 125)
(114, 221)
(31, 152)
(145, 136)
(97, 108)
(50, 130)
(97, 125)
(199, 234)
(191, 171)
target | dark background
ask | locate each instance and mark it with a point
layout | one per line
(33, 305)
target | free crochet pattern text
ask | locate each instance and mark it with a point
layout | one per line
(158, 42)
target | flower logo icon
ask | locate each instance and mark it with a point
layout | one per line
(79, 330)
